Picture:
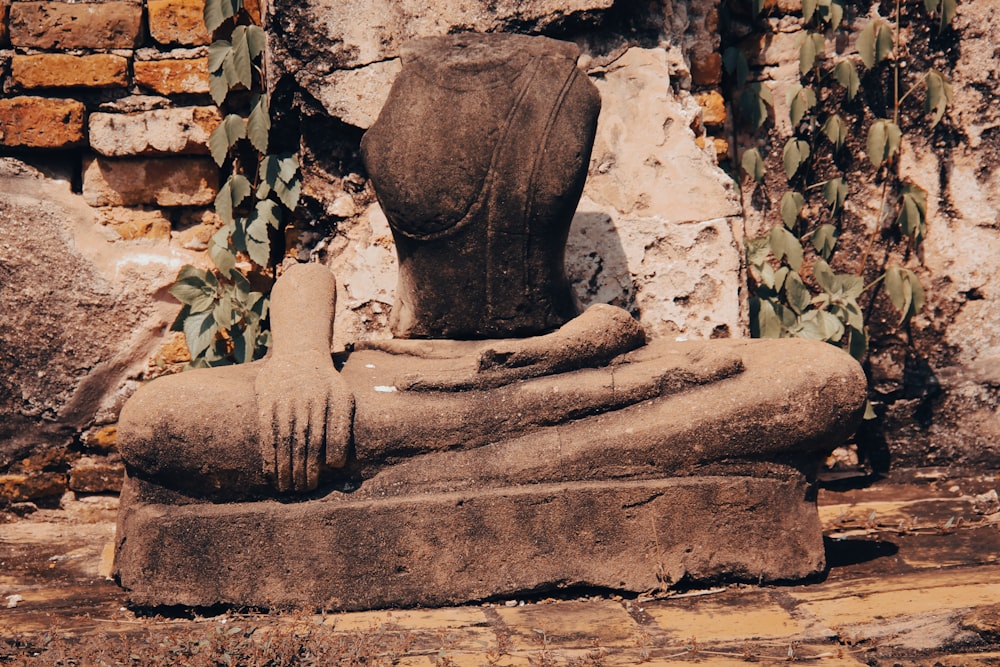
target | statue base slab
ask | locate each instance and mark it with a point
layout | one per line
(351, 551)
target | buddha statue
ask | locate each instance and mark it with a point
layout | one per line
(494, 382)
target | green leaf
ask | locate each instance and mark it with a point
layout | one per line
(218, 87)
(797, 293)
(289, 194)
(764, 322)
(756, 7)
(812, 47)
(289, 167)
(948, 9)
(230, 130)
(883, 42)
(846, 75)
(820, 325)
(195, 288)
(905, 291)
(791, 204)
(913, 212)
(256, 41)
(199, 332)
(218, 250)
(857, 343)
(938, 96)
(785, 245)
(795, 153)
(824, 275)
(808, 8)
(833, 13)
(753, 164)
(884, 138)
(218, 53)
(217, 11)
(231, 195)
(800, 100)
(735, 63)
(259, 122)
(875, 42)
(241, 57)
(265, 214)
(823, 240)
(224, 313)
(835, 130)
(931, 5)
(835, 193)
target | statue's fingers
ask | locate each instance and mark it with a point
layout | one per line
(300, 447)
(283, 454)
(339, 419)
(314, 445)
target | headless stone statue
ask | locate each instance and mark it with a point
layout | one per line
(494, 398)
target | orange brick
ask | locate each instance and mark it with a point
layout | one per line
(57, 70)
(4, 13)
(169, 77)
(178, 21)
(64, 25)
(40, 122)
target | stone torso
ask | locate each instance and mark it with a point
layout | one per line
(478, 160)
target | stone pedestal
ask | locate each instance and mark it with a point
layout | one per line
(354, 551)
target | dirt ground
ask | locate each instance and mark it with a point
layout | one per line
(914, 579)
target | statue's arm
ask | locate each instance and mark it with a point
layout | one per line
(304, 406)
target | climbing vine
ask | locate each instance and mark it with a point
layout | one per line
(846, 103)
(225, 312)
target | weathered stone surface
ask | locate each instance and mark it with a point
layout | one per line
(356, 96)
(56, 70)
(480, 200)
(4, 17)
(67, 25)
(713, 108)
(364, 552)
(706, 68)
(41, 122)
(653, 230)
(131, 224)
(19, 487)
(176, 131)
(177, 21)
(170, 77)
(161, 181)
(90, 475)
(79, 318)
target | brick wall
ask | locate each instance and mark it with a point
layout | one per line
(116, 92)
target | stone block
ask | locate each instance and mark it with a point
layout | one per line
(104, 439)
(131, 224)
(89, 475)
(713, 108)
(24, 487)
(706, 68)
(180, 130)
(365, 551)
(58, 70)
(159, 181)
(41, 122)
(171, 77)
(356, 96)
(177, 22)
(69, 25)
(4, 16)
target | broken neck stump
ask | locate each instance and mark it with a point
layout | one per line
(502, 444)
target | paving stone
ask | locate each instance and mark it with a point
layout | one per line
(854, 602)
(569, 623)
(707, 620)
(161, 181)
(176, 131)
(41, 122)
(177, 21)
(59, 70)
(66, 25)
(171, 77)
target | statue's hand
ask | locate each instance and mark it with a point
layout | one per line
(305, 411)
